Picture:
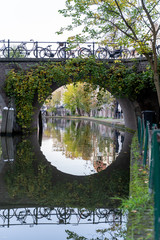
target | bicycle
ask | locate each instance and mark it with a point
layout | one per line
(106, 53)
(7, 52)
(85, 52)
(81, 51)
(22, 50)
(48, 52)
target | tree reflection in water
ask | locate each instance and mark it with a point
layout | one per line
(96, 144)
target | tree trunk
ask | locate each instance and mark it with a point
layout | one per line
(79, 111)
(157, 85)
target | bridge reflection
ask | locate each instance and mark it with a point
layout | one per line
(59, 215)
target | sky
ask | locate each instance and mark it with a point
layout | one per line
(32, 19)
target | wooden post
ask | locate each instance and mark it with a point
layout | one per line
(9, 127)
(4, 120)
(7, 120)
(7, 148)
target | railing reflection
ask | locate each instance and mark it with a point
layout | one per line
(59, 215)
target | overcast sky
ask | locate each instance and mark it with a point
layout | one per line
(32, 19)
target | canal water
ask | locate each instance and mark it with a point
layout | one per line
(64, 182)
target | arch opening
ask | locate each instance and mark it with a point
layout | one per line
(127, 108)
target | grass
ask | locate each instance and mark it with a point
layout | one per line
(140, 203)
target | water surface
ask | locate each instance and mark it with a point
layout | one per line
(65, 181)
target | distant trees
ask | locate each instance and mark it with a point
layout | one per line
(54, 101)
(80, 99)
(76, 99)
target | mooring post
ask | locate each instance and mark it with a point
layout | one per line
(9, 127)
(7, 121)
(4, 120)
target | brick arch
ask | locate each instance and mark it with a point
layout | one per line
(129, 108)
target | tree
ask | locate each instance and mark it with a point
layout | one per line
(84, 97)
(54, 101)
(77, 99)
(127, 22)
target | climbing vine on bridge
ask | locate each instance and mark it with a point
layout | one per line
(25, 85)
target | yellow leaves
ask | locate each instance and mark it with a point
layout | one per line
(71, 38)
(117, 61)
(96, 15)
(95, 1)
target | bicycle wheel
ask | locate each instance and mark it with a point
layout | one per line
(101, 53)
(62, 53)
(126, 54)
(42, 53)
(8, 52)
(85, 52)
(20, 52)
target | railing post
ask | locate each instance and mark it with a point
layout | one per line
(139, 130)
(65, 44)
(146, 143)
(93, 47)
(156, 179)
(8, 48)
(36, 49)
(142, 136)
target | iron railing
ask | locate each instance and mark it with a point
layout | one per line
(35, 49)
(149, 141)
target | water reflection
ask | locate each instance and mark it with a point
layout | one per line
(80, 147)
(59, 215)
(34, 192)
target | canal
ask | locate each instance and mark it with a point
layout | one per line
(67, 181)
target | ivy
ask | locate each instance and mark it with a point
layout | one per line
(23, 85)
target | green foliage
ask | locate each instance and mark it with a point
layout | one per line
(77, 98)
(53, 101)
(24, 85)
(72, 235)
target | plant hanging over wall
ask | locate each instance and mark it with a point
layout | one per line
(23, 85)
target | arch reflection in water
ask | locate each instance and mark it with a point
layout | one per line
(32, 181)
(31, 176)
(80, 147)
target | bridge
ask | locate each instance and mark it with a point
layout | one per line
(17, 53)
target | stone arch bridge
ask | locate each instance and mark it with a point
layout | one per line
(129, 108)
